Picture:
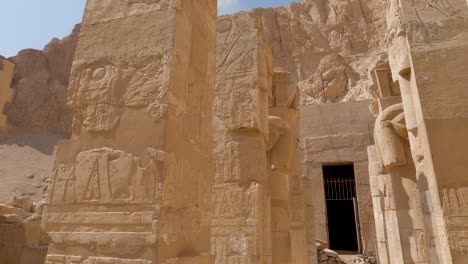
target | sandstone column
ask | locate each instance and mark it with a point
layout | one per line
(133, 185)
(6, 75)
(240, 226)
(376, 176)
(299, 238)
(433, 39)
(287, 201)
(406, 232)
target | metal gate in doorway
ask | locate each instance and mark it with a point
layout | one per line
(342, 208)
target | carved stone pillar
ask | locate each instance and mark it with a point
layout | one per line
(404, 223)
(287, 199)
(299, 238)
(134, 183)
(433, 40)
(240, 226)
(377, 186)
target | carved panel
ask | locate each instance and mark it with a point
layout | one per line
(101, 90)
(423, 18)
(234, 248)
(416, 246)
(232, 203)
(227, 162)
(455, 207)
(237, 86)
(106, 176)
(235, 234)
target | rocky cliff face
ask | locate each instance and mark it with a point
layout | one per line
(38, 118)
(328, 46)
(40, 84)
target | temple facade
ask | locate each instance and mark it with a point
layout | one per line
(293, 135)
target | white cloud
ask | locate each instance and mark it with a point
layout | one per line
(227, 6)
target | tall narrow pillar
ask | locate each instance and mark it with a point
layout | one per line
(287, 202)
(133, 184)
(377, 178)
(240, 228)
(429, 57)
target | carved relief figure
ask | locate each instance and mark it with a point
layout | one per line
(108, 176)
(390, 136)
(102, 91)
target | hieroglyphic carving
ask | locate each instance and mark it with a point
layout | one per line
(455, 209)
(233, 203)
(416, 246)
(424, 20)
(227, 162)
(235, 234)
(454, 201)
(236, 68)
(108, 176)
(101, 90)
(229, 247)
(241, 104)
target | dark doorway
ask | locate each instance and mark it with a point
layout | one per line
(342, 217)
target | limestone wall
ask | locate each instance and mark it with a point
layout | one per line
(334, 134)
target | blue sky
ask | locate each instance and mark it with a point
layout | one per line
(33, 23)
(231, 6)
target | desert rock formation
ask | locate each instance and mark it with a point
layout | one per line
(36, 116)
(326, 46)
(40, 84)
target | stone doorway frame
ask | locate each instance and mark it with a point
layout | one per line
(342, 189)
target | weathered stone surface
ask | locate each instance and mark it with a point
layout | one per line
(318, 43)
(240, 228)
(417, 200)
(256, 126)
(138, 87)
(133, 185)
(336, 134)
(21, 236)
